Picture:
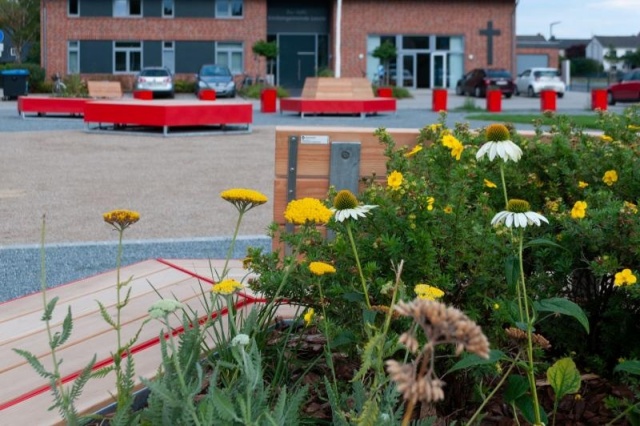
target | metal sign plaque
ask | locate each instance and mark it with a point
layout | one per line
(314, 139)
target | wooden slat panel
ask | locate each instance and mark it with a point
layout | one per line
(104, 89)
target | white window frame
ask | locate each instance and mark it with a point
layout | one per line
(128, 50)
(122, 9)
(227, 6)
(77, 8)
(173, 9)
(12, 52)
(228, 49)
(169, 46)
(73, 46)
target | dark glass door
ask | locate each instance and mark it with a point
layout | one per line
(297, 60)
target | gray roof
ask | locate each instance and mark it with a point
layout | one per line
(619, 41)
(535, 41)
(563, 43)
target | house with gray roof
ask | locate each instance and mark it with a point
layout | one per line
(600, 46)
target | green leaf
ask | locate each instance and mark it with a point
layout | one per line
(48, 310)
(370, 413)
(224, 406)
(631, 367)
(345, 337)
(564, 377)
(517, 387)
(106, 316)
(472, 360)
(512, 271)
(67, 327)
(543, 242)
(525, 405)
(353, 297)
(563, 306)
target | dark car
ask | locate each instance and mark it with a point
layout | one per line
(158, 80)
(478, 81)
(627, 89)
(218, 78)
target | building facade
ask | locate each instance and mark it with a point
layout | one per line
(601, 46)
(437, 41)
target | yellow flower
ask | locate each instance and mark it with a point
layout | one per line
(579, 210)
(121, 219)
(610, 177)
(435, 127)
(577, 397)
(633, 127)
(630, 206)
(243, 199)
(308, 316)
(321, 268)
(430, 202)
(427, 292)
(227, 286)
(496, 306)
(489, 184)
(416, 149)
(625, 277)
(307, 210)
(394, 180)
(582, 184)
(606, 138)
(448, 210)
(454, 145)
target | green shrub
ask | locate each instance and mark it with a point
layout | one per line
(184, 86)
(254, 91)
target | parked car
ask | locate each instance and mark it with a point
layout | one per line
(535, 80)
(627, 89)
(216, 77)
(478, 81)
(158, 80)
(407, 78)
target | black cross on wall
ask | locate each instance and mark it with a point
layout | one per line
(490, 32)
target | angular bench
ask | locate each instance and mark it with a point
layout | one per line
(104, 89)
(325, 95)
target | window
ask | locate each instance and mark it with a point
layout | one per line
(73, 57)
(127, 56)
(74, 8)
(124, 8)
(167, 8)
(229, 8)
(231, 55)
(169, 56)
(13, 52)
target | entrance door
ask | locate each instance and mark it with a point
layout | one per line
(439, 67)
(423, 71)
(296, 59)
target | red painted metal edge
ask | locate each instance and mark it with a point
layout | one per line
(338, 106)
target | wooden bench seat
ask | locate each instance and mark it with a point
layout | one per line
(104, 89)
(26, 400)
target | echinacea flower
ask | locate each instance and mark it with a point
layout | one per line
(394, 180)
(416, 149)
(321, 268)
(164, 307)
(308, 316)
(625, 277)
(345, 206)
(498, 143)
(610, 177)
(307, 211)
(121, 219)
(582, 184)
(227, 286)
(243, 199)
(518, 215)
(579, 210)
(489, 184)
(427, 292)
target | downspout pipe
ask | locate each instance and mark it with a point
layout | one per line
(338, 44)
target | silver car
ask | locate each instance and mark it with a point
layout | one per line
(158, 80)
(535, 80)
(218, 78)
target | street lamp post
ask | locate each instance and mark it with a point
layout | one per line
(551, 29)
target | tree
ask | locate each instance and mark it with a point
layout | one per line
(632, 59)
(268, 50)
(385, 52)
(612, 56)
(21, 20)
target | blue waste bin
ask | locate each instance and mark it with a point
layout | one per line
(15, 83)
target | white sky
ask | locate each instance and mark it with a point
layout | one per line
(578, 18)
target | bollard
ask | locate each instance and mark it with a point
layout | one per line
(599, 99)
(385, 92)
(207, 95)
(494, 100)
(439, 100)
(547, 100)
(143, 94)
(268, 100)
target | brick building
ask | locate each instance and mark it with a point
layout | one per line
(437, 40)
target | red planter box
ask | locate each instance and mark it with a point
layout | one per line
(143, 94)
(548, 100)
(599, 99)
(439, 100)
(385, 92)
(207, 95)
(268, 100)
(494, 100)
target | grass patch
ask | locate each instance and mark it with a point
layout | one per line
(586, 121)
(469, 105)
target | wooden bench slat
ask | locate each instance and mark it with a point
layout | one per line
(104, 89)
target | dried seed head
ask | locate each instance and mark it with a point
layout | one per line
(409, 341)
(520, 337)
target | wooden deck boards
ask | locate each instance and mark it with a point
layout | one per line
(27, 398)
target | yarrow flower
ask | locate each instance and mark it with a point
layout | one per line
(610, 177)
(227, 286)
(345, 205)
(582, 184)
(307, 211)
(121, 219)
(308, 317)
(625, 277)
(606, 138)
(243, 199)
(518, 215)
(579, 210)
(427, 292)
(394, 180)
(454, 145)
(416, 149)
(240, 340)
(498, 143)
(321, 268)
(164, 307)
(489, 184)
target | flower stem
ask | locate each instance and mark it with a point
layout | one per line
(504, 187)
(232, 245)
(355, 253)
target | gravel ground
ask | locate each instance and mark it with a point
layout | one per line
(52, 167)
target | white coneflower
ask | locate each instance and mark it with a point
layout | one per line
(518, 215)
(345, 206)
(498, 143)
